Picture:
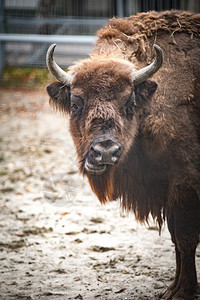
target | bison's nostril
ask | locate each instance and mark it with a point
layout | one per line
(95, 154)
(106, 152)
(114, 158)
(116, 150)
(98, 157)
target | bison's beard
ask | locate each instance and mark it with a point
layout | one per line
(102, 185)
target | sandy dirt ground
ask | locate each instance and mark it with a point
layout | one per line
(56, 240)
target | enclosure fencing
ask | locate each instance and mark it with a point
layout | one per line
(28, 27)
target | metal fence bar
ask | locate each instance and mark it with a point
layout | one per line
(132, 7)
(42, 38)
(47, 39)
(120, 8)
(152, 4)
(55, 21)
(45, 46)
(2, 44)
(175, 4)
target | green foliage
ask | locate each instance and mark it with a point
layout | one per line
(25, 77)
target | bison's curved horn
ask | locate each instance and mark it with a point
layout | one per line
(54, 69)
(146, 72)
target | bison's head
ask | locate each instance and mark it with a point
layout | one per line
(102, 96)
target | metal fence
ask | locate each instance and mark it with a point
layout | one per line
(27, 27)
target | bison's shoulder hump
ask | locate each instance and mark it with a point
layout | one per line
(148, 23)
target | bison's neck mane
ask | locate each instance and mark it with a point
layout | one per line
(141, 185)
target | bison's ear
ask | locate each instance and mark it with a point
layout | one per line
(144, 91)
(59, 96)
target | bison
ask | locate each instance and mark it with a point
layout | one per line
(138, 139)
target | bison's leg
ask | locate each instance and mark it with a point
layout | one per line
(184, 226)
(170, 222)
(172, 288)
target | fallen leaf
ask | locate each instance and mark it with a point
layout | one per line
(7, 189)
(72, 233)
(86, 230)
(48, 187)
(64, 213)
(19, 234)
(79, 296)
(36, 230)
(59, 271)
(101, 249)
(14, 244)
(97, 220)
(120, 291)
(78, 241)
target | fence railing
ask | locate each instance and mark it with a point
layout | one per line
(27, 31)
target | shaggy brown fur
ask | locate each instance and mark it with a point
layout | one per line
(158, 172)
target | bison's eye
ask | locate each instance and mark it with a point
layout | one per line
(130, 107)
(76, 105)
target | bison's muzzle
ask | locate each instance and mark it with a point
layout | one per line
(102, 154)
